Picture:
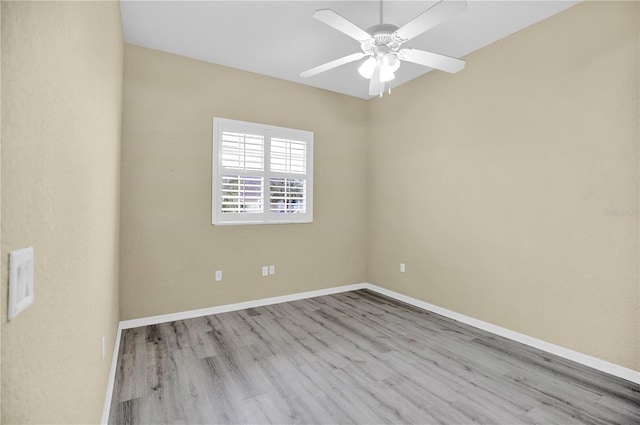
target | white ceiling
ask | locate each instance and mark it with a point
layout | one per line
(281, 38)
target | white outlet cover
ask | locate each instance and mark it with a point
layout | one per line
(218, 275)
(265, 271)
(272, 269)
(20, 281)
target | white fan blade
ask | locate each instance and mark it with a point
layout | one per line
(432, 17)
(342, 24)
(333, 64)
(432, 60)
(376, 86)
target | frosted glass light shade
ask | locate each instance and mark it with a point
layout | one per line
(367, 68)
(391, 61)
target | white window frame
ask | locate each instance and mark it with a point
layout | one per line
(219, 218)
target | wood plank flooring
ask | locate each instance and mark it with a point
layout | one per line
(352, 358)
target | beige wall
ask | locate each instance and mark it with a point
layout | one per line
(169, 249)
(496, 185)
(61, 113)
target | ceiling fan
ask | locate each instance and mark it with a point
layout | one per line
(382, 44)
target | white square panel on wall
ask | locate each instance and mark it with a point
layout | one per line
(20, 281)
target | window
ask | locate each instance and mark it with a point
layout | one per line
(261, 174)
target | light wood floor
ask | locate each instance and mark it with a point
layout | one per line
(352, 358)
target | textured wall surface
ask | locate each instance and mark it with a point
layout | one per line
(169, 248)
(61, 115)
(510, 190)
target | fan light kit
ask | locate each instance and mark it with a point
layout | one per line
(381, 45)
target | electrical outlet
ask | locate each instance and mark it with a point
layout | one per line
(265, 270)
(103, 347)
(402, 268)
(272, 269)
(218, 275)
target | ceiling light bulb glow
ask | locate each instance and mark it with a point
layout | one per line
(367, 68)
(386, 74)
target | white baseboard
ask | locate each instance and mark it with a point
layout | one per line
(593, 362)
(172, 317)
(112, 378)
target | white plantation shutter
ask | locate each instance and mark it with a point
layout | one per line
(287, 196)
(242, 151)
(288, 156)
(241, 194)
(261, 174)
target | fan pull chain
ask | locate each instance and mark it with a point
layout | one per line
(388, 91)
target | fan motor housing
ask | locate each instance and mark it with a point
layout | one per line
(381, 40)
